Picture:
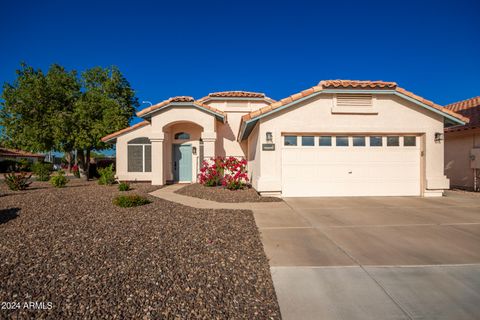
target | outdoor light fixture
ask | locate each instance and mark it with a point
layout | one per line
(438, 136)
(269, 137)
(194, 150)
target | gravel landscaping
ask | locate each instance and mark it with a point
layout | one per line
(91, 259)
(221, 194)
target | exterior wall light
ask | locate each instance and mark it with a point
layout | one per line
(438, 136)
(269, 137)
(194, 150)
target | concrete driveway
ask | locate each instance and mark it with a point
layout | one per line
(375, 258)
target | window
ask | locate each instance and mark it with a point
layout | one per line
(325, 141)
(139, 155)
(359, 141)
(341, 141)
(409, 141)
(393, 141)
(290, 140)
(308, 141)
(376, 141)
(182, 136)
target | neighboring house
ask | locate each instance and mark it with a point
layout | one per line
(462, 146)
(15, 154)
(338, 138)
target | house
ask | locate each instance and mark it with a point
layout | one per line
(338, 138)
(462, 146)
(15, 154)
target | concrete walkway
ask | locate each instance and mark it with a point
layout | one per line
(168, 193)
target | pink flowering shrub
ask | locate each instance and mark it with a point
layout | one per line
(228, 172)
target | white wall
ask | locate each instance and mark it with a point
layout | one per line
(254, 157)
(395, 115)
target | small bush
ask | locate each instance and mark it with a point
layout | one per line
(123, 186)
(59, 180)
(42, 170)
(17, 181)
(24, 165)
(229, 172)
(133, 200)
(211, 173)
(107, 176)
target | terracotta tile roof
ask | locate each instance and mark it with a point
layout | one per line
(120, 132)
(236, 94)
(469, 108)
(179, 99)
(5, 152)
(243, 94)
(356, 84)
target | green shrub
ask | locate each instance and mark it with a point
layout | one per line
(24, 165)
(59, 180)
(107, 175)
(17, 181)
(132, 200)
(42, 170)
(123, 186)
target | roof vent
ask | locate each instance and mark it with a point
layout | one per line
(354, 100)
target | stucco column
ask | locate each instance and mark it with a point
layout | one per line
(209, 139)
(157, 159)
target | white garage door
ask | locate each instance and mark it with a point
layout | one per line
(350, 166)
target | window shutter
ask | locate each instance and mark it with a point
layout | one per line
(148, 158)
(135, 158)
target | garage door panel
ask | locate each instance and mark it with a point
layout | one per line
(350, 171)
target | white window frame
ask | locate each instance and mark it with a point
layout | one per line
(143, 154)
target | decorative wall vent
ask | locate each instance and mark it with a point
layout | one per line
(354, 100)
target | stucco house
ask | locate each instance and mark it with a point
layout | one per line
(462, 146)
(338, 138)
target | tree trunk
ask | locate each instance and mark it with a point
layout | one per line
(68, 158)
(87, 162)
(80, 159)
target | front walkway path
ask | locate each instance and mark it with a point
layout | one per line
(168, 193)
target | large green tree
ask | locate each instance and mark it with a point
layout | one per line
(37, 108)
(107, 104)
(64, 112)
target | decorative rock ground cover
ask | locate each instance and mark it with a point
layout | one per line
(221, 194)
(91, 259)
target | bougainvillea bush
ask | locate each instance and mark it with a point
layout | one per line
(229, 172)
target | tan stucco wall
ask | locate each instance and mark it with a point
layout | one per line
(254, 157)
(122, 158)
(457, 157)
(227, 133)
(395, 115)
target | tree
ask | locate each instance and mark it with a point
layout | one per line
(37, 109)
(107, 104)
(60, 111)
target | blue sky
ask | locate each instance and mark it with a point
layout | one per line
(192, 48)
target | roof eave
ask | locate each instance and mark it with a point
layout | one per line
(148, 115)
(244, 128)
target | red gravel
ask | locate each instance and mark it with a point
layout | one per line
(221, 194)
(91, 259)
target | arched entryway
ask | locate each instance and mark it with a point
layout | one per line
(183, 151)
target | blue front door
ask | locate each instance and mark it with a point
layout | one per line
(182, 162)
